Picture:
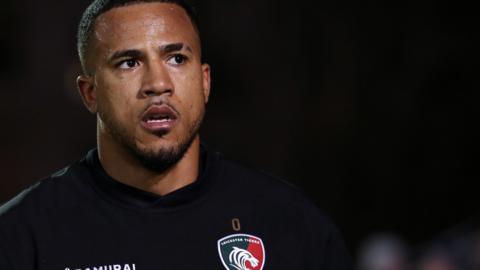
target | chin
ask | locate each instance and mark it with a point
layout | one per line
(162, 154)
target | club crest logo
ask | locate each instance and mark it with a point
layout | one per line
(242, 252)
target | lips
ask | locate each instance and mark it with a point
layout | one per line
(159, 119)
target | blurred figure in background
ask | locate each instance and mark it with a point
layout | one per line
(383, 251)
(436, 258)
(456, 249)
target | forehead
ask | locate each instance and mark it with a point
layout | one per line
(145, 22)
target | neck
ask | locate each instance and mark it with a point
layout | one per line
(123, 167)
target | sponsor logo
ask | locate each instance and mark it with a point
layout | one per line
(107, 267)
(241, 252)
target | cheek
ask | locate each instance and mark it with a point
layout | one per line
(116, 97)
(193, 90)
(192, 98)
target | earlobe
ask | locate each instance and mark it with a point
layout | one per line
(206, 81)
(87, 91)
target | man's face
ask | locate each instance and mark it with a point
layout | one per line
(148, 84)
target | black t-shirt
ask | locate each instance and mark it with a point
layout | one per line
(231, 217)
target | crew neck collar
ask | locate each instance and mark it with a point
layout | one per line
(133, 197)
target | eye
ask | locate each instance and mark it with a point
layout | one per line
(128, 64)
(177, 59)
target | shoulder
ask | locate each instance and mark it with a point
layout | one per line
(42, 195)
(263, 188)
(258, 181)
(274, 199)
(27, 213)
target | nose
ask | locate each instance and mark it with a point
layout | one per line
(156, 81)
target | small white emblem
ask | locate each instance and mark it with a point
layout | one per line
(239, 257)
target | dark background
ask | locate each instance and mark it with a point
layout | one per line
(369, 106)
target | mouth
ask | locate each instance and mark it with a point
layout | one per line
(159, 119)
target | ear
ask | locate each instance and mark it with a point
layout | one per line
(86, 88)
(206, 81)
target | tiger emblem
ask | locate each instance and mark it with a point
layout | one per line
(241, 252)
(239, 258)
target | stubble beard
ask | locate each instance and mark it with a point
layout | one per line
(157, 161)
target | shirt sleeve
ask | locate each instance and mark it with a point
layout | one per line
(324, 244)
(336, 255)
(5, 263)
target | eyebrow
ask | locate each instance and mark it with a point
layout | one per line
(165, 49)
(126, 53)
(174, 47)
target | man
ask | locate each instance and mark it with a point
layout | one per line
(151, 196)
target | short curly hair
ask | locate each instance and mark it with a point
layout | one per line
(98, 7)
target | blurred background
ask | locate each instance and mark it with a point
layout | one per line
(368, 106)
